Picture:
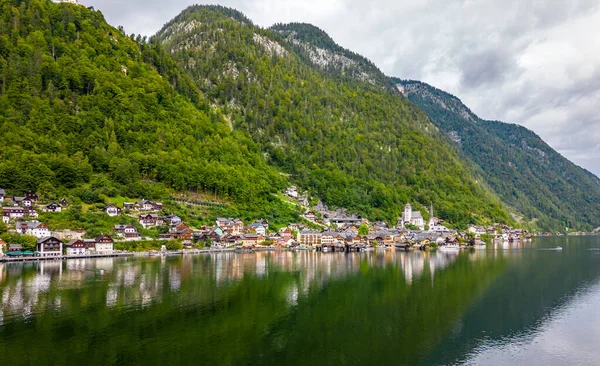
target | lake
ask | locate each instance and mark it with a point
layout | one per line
(506, 305)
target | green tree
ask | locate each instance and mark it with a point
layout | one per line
(363, 230)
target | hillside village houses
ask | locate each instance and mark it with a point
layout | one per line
(127, 232)
(230, 226)
(151, 220)
(33, 228)
(112, 210)
(53, 207)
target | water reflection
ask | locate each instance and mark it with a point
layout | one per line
(381, 307)
(36, 287)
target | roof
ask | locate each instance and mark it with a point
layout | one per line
(45, 239)
(2, 191)
(309, 232)
(28, 224)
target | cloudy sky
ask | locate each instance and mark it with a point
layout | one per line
(532, 62)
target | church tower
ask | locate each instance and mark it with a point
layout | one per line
(407, 213)
(431, 218)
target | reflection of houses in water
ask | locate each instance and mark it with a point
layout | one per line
(143, 281)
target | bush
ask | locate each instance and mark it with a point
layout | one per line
(174, 245)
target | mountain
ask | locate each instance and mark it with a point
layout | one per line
(350, 142)
(316, 47)
(86, 111)
(548, 190)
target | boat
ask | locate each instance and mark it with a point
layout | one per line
(479, 245)
(450, 247)
(558, 248)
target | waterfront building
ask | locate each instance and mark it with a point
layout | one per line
(309, 237)
(49, 247)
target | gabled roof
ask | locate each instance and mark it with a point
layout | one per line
(46, 238)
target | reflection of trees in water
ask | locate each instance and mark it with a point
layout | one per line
(139, 282)
(229, 308)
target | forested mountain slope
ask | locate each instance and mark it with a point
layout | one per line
(351, 143)
(85, 108)
(522, 169)
(315, 46)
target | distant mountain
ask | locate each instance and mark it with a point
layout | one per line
(316, 47)
(545, 188)
(327, 117)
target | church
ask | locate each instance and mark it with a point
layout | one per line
(410, 217)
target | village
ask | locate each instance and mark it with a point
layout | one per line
(323, 230)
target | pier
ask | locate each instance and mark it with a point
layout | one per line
(63, 257)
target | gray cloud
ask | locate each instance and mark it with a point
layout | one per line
(529, 62)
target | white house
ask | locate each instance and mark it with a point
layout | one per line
(292, 192)
(12, 213)
(53, 207)
(434, 225)
(33, 228)
(31, 213)
(112, 210)
(261, 230)
(126, 231)
(173, 220)
(328, 237)
(81, 246)
(104, 244)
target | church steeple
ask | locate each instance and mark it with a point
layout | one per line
(431, 218)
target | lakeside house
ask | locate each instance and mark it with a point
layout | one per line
(104, 244)
(81, 247)
(49, 247)
(309, 237)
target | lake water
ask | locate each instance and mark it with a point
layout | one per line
(508, 305)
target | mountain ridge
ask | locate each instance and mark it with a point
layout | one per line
(352, 143)
(528, 174)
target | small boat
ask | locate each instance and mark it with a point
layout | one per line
(449, 247)
(558, 248)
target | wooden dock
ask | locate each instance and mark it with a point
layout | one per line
(62, 257)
